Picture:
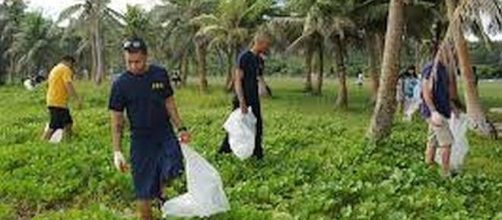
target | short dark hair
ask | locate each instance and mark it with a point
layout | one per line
(68, 58)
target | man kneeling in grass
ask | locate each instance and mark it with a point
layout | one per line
(145, 93)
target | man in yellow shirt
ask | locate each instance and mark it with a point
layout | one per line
(60, 88)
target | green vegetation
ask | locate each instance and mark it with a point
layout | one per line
(317, 166)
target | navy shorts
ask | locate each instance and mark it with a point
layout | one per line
(154, 162)
(59, 117)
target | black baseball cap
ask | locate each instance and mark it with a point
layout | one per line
(135, 44)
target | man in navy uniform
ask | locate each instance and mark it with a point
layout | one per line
(145, 92)
(248, 70)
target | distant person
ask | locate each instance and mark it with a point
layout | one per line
(246, 89)
(31, 82)
(60, 88)
(145, 93)
(410, 81)
(410, 90)
(436, 108)
(360, 79)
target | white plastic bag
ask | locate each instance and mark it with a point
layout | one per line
(57, 136)
(241, 130)
(460, 147)
(28, 85)
(205, 194)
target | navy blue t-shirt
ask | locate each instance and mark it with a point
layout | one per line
(440, 91)
(250, 64)
(143, 97)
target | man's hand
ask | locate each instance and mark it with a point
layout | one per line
(244, 108)
(184, 137)
(436, 119)
(119, 161)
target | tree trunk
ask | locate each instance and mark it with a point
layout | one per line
(478, 120)
(184, 68)
(320, 75)
(308, 64)
(383, 115)
(12, 70)
(342, 99)
(100, 58)
(93, 58)
(230, 68)
(200, 51)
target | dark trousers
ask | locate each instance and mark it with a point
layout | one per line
(258, 150)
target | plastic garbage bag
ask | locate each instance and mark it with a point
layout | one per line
(241, 130)
(205, 194)
(460, 147)
(28, 84)
(57, 136)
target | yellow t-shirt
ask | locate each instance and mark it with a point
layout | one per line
(57, 95)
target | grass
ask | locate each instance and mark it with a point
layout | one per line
(317, 166)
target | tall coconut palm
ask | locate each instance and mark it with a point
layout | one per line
(385, 108)
(311, 40)
(35, 44)
(229, 27)
(13, 13)
(92, 15)
(179, 32)
(288, 29)
(459, 15)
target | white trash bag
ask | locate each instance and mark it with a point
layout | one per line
(57, 136)
(460, 147)
(28, 85)
(205, 194)
(241, 130)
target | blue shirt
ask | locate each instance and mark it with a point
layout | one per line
(440, 91)
(409, 86)
(143, 97)
(251, 66)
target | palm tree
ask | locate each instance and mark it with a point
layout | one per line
(385, 108)
(137, 22)
(92, 15)
(229, 27)
(179, 32)
(13, 13)
(311, 40)
(287, 30)
(35, 45)
(467, 12)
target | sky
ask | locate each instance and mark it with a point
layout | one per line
(51, 8)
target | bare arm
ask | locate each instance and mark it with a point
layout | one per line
(173, 112)
(117, 128)
(427, 93)
(71, 90)
(239, 74)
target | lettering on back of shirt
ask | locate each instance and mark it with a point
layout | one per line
(157, 86)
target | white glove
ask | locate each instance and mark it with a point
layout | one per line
(119, 161)
(436, 118)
